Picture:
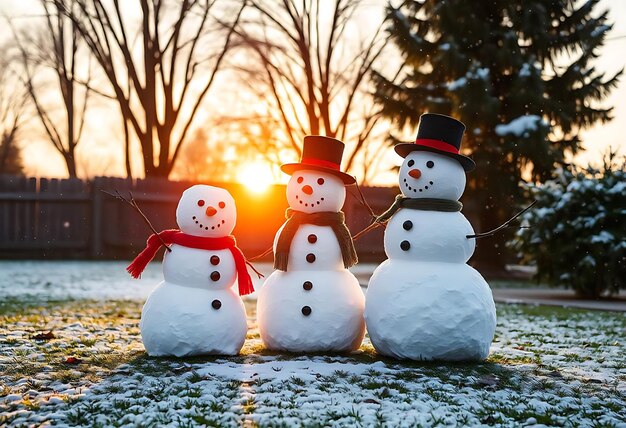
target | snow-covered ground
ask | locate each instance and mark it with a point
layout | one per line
(54, 280)
(548, 366)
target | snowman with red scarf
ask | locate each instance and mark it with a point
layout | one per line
(195, 310)
(311, 302)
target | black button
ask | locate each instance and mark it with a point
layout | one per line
(215, 260)
(216, 304)
(215, 276)
(310, 257)
(306, 311)
(312, 238)
(407, 225)
(405, 245)
(307, 285)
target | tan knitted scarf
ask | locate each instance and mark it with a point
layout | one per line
(336, 220)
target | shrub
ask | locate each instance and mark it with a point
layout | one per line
(577, 233)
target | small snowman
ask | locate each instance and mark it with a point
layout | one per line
(195, 310)
(311, 302)
(425, 302)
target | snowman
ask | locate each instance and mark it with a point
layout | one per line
(425, 302)
(195, 310)
(311, 302)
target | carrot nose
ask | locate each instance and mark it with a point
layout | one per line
(415, 173)
(307, 189)
(210, 211)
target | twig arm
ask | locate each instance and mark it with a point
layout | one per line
(131, 201)
(503, 225)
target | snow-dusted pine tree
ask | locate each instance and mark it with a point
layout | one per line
(577, 239)
(518, 73)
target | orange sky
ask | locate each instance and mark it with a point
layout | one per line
(101, 152)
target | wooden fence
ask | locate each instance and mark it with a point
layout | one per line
(70, 218)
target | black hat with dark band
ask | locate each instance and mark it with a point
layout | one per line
(320, 153)
(441, 134)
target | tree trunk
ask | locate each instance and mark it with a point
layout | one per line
(70, 162)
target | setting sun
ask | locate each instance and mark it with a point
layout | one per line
(256, 176)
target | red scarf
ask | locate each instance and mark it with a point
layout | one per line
(174, 236)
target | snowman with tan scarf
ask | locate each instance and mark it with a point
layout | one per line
(311, 302)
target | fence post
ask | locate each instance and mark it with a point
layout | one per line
(96, 219)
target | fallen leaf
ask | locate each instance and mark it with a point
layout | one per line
(44, 336)
(72, 360)
(488, 381)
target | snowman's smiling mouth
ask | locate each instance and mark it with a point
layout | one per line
(202, 226)
(416, 189)
(309, 204)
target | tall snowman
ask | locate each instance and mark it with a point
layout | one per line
(195, 310)
(311, 302)
(425, 302)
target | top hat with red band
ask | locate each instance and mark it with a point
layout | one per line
(320, 153)
(438, 134)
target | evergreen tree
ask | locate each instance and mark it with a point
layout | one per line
(518, 73)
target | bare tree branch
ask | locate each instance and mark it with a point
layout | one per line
(156, 78)
(314, 77)
(56, 51)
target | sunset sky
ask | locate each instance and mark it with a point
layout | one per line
(101, 152)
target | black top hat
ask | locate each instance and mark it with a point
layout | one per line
(438, 134)
(321, 154)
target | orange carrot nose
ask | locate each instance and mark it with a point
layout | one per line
(210, 211)
(307, 189)
(415, 173)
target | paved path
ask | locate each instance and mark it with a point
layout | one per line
(530, 296)
(556, 297)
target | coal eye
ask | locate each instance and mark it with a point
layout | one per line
(221, 204)
(200, 203)
(320, 181)
(430, 164)
(300, 179)
(411, 162)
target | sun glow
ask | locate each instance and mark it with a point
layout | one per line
(256, 176)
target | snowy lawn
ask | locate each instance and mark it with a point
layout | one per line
(81, 362)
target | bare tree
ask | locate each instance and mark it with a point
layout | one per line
(160, 66)
(54, 51)
(311, 69)
(13, 101)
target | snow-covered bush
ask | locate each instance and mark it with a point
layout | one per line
(577, 233)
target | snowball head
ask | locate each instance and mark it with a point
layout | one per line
(430, 175)
(313, 191)
(206, 211)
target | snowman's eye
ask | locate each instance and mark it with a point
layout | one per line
(320, 181)
(200, 203)
(411, 162)
(221, 204)
(300, 179)
(430, 164)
